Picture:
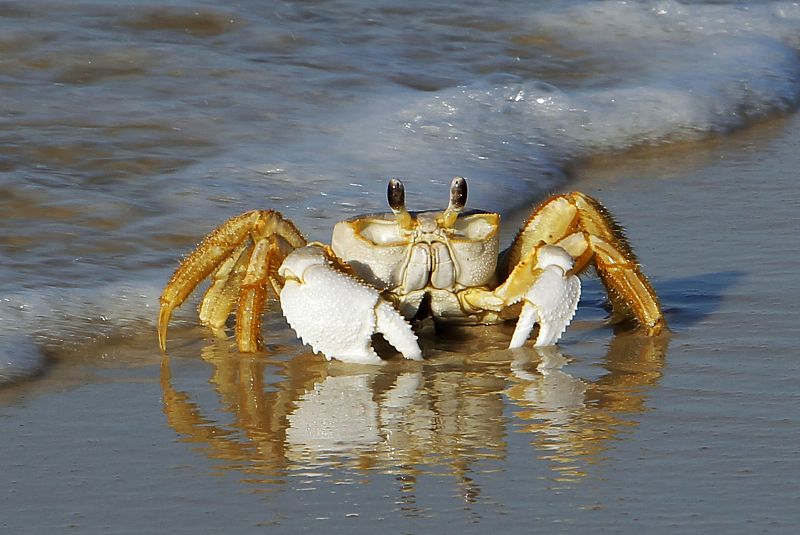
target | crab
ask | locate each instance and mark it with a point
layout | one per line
(384, 272)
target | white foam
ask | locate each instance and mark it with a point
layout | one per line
(715, 83)
(648, 73)
(52, 320)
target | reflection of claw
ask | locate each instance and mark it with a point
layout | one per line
(336, 314)
(552, 360)
(551, 300)
(552, 388)
(341, 413)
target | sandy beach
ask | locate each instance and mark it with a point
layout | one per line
(695, 431)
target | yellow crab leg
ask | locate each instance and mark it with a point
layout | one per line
(587, 231)
(219, 299)
(262, 270)
(253, 296)
(553, 220)
(214, 250)
(629, 290)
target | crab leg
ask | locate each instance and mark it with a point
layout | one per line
(262, 270)
(587, 231)
(219, 299)
(218, 247)
(252, 296)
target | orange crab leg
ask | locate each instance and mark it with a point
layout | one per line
(219, 299)
(253, 295)
(214, 250)
(629, 290)
(262, 270)
(587, 231)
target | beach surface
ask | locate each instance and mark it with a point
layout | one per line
(130, 130)
(612, 433)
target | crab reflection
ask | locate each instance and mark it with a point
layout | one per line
(278, 418)
(572, 421)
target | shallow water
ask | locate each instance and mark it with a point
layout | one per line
(132, 129)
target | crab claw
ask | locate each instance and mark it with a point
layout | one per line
(337, 314)
(551, 300)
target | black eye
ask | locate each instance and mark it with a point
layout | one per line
(396, 194)
(458, 193)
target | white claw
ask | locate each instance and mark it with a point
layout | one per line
(551, 300)
(337, 314)
(396, 330)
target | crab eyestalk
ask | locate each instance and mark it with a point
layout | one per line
(458, 199)
(396, 194)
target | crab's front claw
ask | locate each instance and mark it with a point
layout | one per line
(551, 300)
(337, 314)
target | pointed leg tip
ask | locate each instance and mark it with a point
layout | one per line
(657, 328)
(164, 315)
(162, 338)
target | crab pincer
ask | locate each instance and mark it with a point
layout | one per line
(551, 301)
(337, 314)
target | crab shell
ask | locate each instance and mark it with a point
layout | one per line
(427, 259)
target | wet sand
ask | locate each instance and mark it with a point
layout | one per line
(697, 431)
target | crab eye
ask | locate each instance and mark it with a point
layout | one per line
(458, 193)
(458, 198)
(396, 194)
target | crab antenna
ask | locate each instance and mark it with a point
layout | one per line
(396, 194)
(458, 198)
